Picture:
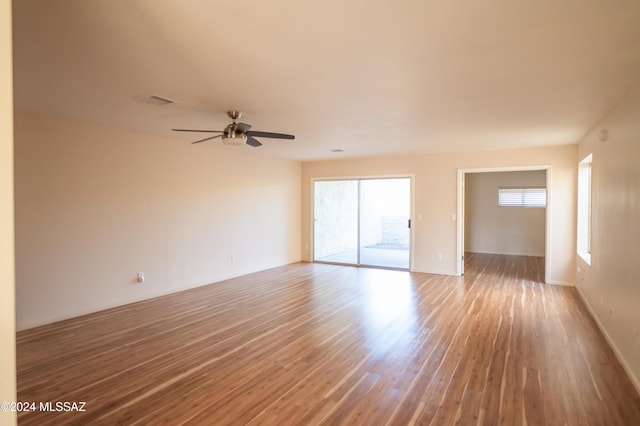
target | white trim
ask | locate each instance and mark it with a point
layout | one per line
(548, 228)
(562, 283)
(634, 380)
(460, 212)
(436, 272)
(584, 228)
(507, 254)
(585, 256)
(412, 179)
(460, 222)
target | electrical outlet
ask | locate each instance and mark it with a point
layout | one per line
(439, 256)
(232, 259)
(579, 274)
(140, 277)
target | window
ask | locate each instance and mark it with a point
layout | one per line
(522, 197)
(584, 208)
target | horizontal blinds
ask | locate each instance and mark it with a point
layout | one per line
(522, 197)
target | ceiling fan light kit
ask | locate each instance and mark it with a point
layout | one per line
(234, 139)
(238, 133)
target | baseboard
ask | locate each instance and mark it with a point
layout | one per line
(612, 345)
(447, 273)
(562, 283)
(506, 254)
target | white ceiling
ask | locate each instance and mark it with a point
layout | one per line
(371, 77)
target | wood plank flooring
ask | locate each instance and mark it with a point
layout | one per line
(310, 344)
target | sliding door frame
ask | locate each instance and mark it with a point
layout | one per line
(312, 242)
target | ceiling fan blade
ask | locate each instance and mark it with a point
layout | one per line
(242, 127)
(193, 130)
(269, 135)
(206, 139)
(253, 141)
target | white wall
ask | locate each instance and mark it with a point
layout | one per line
(611, 284)
(7, 295)
(435, 198)
(502, 230)
(95, 205)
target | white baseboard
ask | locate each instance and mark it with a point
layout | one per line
(505, 253)
(449, 273)
(634, 380)
(563, 283)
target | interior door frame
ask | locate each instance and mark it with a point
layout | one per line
(411, 178)
(460, 212)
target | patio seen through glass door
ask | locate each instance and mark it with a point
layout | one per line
(363, 222)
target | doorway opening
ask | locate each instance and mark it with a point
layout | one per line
(365, 222)
(508, 215)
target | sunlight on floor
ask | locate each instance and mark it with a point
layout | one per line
(389, 299)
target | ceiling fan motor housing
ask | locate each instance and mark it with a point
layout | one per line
(233, 135)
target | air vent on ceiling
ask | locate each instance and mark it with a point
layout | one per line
(156, 100)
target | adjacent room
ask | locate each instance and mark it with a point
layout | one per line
(505, 213)
(333, 213)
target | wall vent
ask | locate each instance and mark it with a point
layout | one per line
(156, 100)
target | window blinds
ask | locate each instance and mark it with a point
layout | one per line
(522, 197)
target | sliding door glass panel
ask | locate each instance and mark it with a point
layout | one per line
(385, 209)
(335, 227)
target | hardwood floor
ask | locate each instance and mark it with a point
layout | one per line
(326, 344)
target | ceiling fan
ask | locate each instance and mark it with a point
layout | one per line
(238, 133)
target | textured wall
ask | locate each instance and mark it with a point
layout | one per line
(96, 205)
(435, 200)
(611, 284)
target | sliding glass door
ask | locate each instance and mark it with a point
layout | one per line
(385, 210)
(336, 221)
(363, 222)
